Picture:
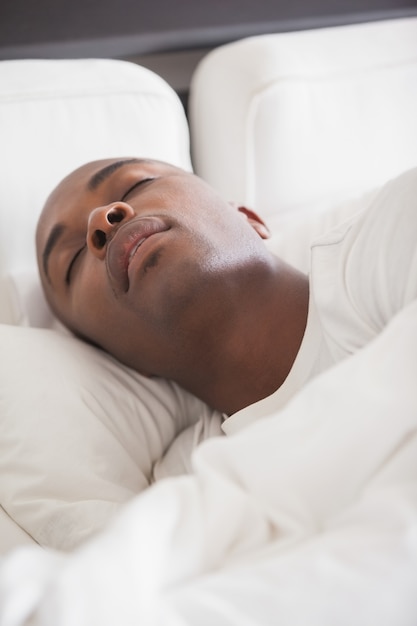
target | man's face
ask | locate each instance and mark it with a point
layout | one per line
(135, 254)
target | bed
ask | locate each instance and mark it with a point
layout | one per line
(298, 519)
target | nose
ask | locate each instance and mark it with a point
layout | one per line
(102, 222)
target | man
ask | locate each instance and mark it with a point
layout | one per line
(306, 517)
(149, 263)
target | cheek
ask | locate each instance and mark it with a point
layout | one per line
(110, 321)
(92, 307)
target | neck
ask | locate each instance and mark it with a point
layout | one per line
(259, 340)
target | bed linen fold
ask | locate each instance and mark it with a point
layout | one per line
(308, 516)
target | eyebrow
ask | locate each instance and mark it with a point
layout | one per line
(95, 181)
(53, 238)
(99, 177)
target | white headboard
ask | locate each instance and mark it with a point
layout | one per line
(305, 119)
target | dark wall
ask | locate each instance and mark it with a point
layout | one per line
(123, 28)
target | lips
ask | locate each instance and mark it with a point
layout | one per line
(126, 244)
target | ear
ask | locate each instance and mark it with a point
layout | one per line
(255, 221)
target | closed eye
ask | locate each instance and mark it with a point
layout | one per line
(133, 187)
(71, 265)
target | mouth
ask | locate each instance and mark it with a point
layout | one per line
(130, 244)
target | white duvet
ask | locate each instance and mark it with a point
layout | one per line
(308, 517)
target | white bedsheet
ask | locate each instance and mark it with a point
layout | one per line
(305, 518)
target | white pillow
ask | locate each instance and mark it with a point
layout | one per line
(80, 433)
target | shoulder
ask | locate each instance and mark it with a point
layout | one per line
(365, 270)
